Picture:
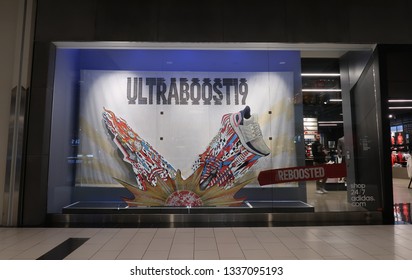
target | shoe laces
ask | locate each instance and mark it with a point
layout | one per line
(252, 131)
(256, 130)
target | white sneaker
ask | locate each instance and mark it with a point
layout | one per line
(319, 192)
(324, 191)
(248, 130)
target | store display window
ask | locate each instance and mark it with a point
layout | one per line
(173, 128)
(183, 130)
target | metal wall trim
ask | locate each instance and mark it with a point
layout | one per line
(215, 220)
(19, 95)
(11, 194)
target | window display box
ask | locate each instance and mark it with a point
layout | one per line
(117, 207)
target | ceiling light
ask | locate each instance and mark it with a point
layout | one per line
(399, 100)
(310, 119)
(328, 124)
(321, 90)
(335, 100)
(320, 74)
(400, 108)
(325, 122)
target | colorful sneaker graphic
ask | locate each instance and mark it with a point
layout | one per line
(147, 163)
(233, 151)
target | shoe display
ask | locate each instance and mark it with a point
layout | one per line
(237, 147)
(147, 163)
(248, 130)
(233, 151)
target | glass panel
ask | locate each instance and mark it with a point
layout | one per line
(175, 128)
(171, 130)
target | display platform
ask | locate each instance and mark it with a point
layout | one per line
(117, 207)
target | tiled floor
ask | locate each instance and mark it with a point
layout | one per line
(368, 242)
(257, 243)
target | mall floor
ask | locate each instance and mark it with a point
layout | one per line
(368, 242)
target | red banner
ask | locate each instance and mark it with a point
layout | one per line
(306, 173)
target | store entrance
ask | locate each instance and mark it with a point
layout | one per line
(347, 113)
(323, 118)
(401, 161)
(396, 62)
